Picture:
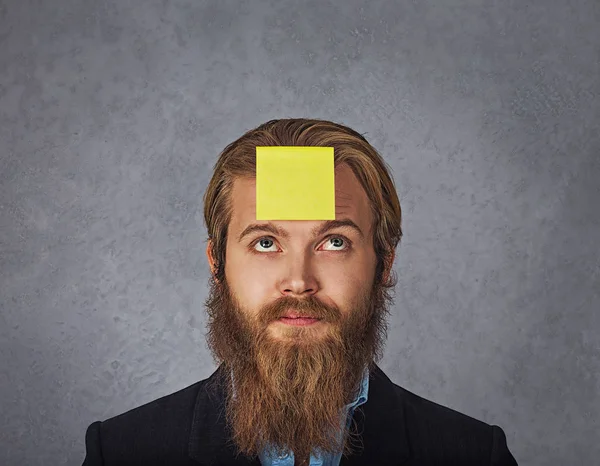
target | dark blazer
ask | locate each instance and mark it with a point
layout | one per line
(187, 428)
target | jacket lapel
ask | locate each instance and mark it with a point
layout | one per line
(210, 442)
(380, 421)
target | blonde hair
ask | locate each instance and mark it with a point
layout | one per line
(238, 159)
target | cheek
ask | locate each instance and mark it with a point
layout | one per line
(346, 288)
(251, 285)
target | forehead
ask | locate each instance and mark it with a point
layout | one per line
(351, 202)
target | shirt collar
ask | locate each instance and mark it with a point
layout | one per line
(363, 394)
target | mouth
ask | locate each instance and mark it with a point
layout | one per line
(299, 321)
(292, 317)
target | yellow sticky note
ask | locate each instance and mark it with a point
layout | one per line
(295, 183)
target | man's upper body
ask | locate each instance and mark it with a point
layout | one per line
(396, 427)
(296, 312)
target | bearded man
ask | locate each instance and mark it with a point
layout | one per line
(297, 322)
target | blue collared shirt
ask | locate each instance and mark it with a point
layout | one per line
(268, 458)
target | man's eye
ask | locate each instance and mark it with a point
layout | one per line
(261, 242)
(337, 241)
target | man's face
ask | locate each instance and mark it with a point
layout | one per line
(292, 381)
(335, 268)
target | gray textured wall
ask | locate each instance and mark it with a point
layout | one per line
(112, 114)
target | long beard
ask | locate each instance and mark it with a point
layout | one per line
(289, 394)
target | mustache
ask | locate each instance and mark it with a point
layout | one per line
(307, 307)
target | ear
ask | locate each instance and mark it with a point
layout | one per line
(211, 259)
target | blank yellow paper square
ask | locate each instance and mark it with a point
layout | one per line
(295, 183)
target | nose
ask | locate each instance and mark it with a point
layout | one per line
(299, 280)
(298, 291)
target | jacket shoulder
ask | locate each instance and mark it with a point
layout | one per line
(439, 434)
(154, 433)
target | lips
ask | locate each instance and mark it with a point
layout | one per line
(298, 322)
(295, 315)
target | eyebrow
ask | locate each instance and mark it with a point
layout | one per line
(317, 231)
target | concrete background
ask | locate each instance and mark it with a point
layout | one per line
(112, 114)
